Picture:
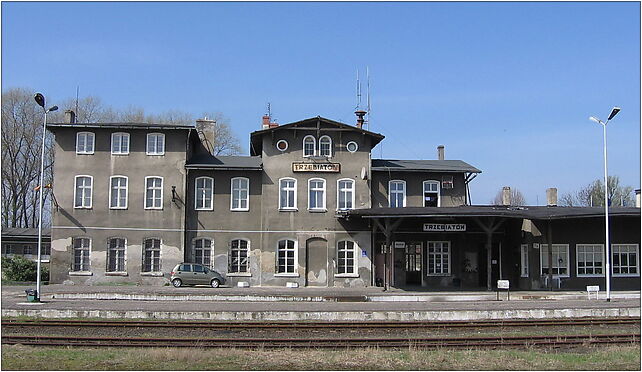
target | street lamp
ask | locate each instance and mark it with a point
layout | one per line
(614, 112)
(40, 100)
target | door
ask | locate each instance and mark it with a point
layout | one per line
(316, 262)
(413, 263)
(199, 275)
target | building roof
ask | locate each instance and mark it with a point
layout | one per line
(24, 232)
(256, 145)
(207, 161)
(529, 212)
(122, 125)
(385, 165)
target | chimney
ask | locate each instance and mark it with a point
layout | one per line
(267, 123)
(205, 129)
(505, 195)
(70, 117)
(637, 198)
(551, 197)
(441, 152)
(360, 120)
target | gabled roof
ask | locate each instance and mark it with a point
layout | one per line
(122, 125)
(207, 161)
(385, 165)
(256, 145)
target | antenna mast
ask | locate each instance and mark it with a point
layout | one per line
(77, 89)
(368, 95)
(358, 92)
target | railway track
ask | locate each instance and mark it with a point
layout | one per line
(455, 342)
(319, 325)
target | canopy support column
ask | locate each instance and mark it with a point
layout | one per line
(489, 228)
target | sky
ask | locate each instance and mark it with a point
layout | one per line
(506, 87)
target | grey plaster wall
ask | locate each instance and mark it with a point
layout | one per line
(414, 184)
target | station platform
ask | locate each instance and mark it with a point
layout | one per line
(309, 304)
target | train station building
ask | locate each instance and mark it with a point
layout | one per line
(309, 206)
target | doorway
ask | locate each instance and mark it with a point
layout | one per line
(316, 262)
(413, 263)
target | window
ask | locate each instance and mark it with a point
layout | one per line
(325, 146)
(345, 194)
(26, 249)
(282, 145)
(83, 187)
(589, 258)
(84, 143)
(155, 144)
(82, 246)
(153, 193)
(524, 260)
(438, 258)
(116, 255)
(151, 255)
(287, 197)
(46, 250)
(203, 251)
(316, 200)
(120, 143)
(204, 193)
(352, 147)
(431, 194)
(626, 261)
(309, 144)
(286, 257)
(118, 192)
(346, 257)
(560, 259)
(397, 194)
(240, 194)
(238, 256)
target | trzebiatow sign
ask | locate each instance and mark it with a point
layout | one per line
(314, 167)
(448, 227)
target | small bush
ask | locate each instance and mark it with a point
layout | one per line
(20, 269)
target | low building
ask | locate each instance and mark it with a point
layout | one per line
(24, 242)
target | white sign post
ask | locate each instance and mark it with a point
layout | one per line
(503, 284)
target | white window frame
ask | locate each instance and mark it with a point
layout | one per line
(593, 267)
(83, 269)
(340, 190)
(231, 265)
(317, 208)
(295, 273)
(156, 152)
(160, 255)
(355, 144)
(119, 188)
(211, 249)
(109, 251)
(91, 192)
(161, 194)
(247, 191)
(448, 255)
(637, 257)
(543, 259)
(343, 262)
(396, 192)
(93, 143)
(314, 146)
(330, 149)
(288, 208)
(423, 195)
(203, 206)
(122, 136)
(282, 141)
(524, 269)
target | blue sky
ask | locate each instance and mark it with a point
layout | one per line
(506, 87)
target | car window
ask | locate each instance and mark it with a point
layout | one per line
(185, 268)
(198, 268)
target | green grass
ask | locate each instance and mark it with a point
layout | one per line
(19, 357)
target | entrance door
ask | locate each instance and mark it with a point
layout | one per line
(316, 262)
(413, 263)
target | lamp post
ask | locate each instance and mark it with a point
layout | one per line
(614, 112)
(40, 100)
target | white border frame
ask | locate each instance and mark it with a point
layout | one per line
(126, 191)
(348, 148)
(356, 254)
(330, 139)
(115, 273)
(282, 208)
(323, 207)
(450, 258)
(314, 143)
(229, 251)
(405, 192)
(637, 254)
(112, 143)
(296, 259)
(193, 251)
(91, 192)
(197, 207)
(93, 143)
(354, 186)
(232, 195)
(147, 144)
(160, 258)
(577, 268)
(286, 145)
(523, 248)
(161, 193)
(568, 259)
(423, 192)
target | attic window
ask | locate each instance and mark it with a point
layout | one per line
(282, 145)
(447, 182)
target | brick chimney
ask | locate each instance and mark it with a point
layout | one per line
(506, 195)
(441, 155)
(637, 198)
(205, 129)
(360, 120)
(70, 117)
(267, 123)
(551, 197)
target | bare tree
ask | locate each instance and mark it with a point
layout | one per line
(516, 197)
(593, 194)
(223, 141)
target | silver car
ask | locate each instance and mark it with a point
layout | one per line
(194, 274)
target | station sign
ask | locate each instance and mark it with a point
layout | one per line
(315, 167)
(446, 227)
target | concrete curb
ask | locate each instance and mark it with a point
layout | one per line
(329, 316)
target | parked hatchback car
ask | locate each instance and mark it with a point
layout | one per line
(194, 274)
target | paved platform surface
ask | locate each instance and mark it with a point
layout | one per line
(336, 304)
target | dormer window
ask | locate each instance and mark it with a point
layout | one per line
(325, 146)
(309, 145)
(84, 143)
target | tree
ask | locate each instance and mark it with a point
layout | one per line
(593, 194)
(516, 197)
(223, 141)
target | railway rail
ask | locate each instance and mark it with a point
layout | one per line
(317, 325)
(454, 342)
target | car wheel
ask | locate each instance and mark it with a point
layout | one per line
(177, 283)
(215, 283)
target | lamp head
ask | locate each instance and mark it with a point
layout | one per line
(593, 118)
(40, 99)
(613, 112)
(52, 108)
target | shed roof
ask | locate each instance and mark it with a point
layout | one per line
(24, 232)
(385, 165)
(202, 161)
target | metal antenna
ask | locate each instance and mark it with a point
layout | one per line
(368, 95)
(77, 89)
(358, 91)
(269, 110)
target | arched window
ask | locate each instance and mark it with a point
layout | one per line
(155, 144)
(325, 146)
(83, 186)
(120, 143)
(287, 193)
(118, 192)
(238, 257)
(153, 192)
(116, 248)
(286, 256)
(431, 194)
(397, 193)
(240, 200)
(84, 143)
(204, 193)
(203, 251)
(151, 255)
(345, 194)
(309, 144)
(316, 194)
